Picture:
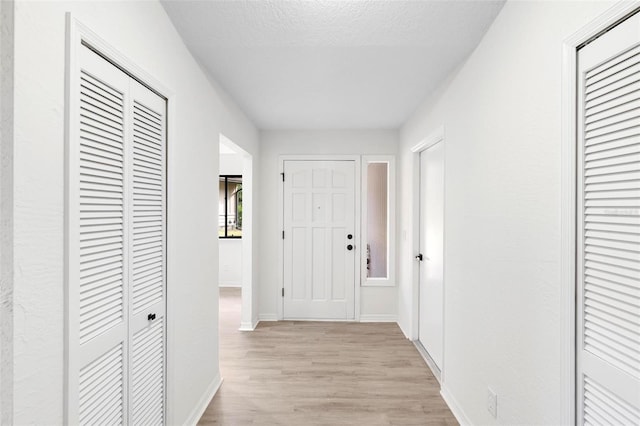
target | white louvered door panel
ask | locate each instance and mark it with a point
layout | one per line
(608, 344)
(147, 247)
(116, 248)
(97, 245)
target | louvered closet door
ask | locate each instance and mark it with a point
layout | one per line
(116, 247)
(98, 295)
(608, 344)
(147, 249)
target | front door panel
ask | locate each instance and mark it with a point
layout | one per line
(319, 216)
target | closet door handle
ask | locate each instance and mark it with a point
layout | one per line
(151, 317)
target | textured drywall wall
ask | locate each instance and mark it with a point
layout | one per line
(502, 116)
(6, 212)
(380, 301)
(141, 31)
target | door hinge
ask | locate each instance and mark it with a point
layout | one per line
(282, 174)
(283, 235)
(282, 291)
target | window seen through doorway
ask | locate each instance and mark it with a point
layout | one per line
(230, 209)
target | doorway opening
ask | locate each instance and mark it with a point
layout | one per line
(235, 230)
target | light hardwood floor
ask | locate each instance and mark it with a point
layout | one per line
(320, 373)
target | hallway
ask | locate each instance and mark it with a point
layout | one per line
(315, 373)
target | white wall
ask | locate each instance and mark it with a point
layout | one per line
(230, 164)
(502, 118)
(6, 211)
(230, 258)
(378, 302)
(142, 32)
(230, 274)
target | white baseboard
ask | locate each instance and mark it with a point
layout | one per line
(267, 317)
(202, 405)
(408, 336)
(230, 285)
(246, 326)
(249, 326)
(429, 361)
(378, 318)
(455, 408)
(363, 318)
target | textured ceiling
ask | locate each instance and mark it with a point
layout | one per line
(330, 64)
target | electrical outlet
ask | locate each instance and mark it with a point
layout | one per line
(492, 403)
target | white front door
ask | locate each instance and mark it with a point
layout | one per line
(319, 240)
(608, 215)
(430, 328)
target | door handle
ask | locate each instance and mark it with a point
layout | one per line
(151, 317)
(350, 247)
(419, 257)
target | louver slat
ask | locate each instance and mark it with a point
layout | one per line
(148, 384)
(603, 407)
(612, 197)
(614, 66)
(101, 196)
(101, 389)
(148, 171)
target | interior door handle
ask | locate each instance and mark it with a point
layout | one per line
(350, 247)
(419, 257)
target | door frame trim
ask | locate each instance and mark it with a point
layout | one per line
(76, 34)
(435, 137)
(568, 209)
(357, 211)
(248, 321)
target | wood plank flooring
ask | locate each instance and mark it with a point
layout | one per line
(320, 373)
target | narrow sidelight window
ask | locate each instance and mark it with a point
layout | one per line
(230, 210)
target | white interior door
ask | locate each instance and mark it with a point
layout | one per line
(608, 214)
(147, 256)
(116, 249)
(430, 327)
(98, 296)
(319, 240)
